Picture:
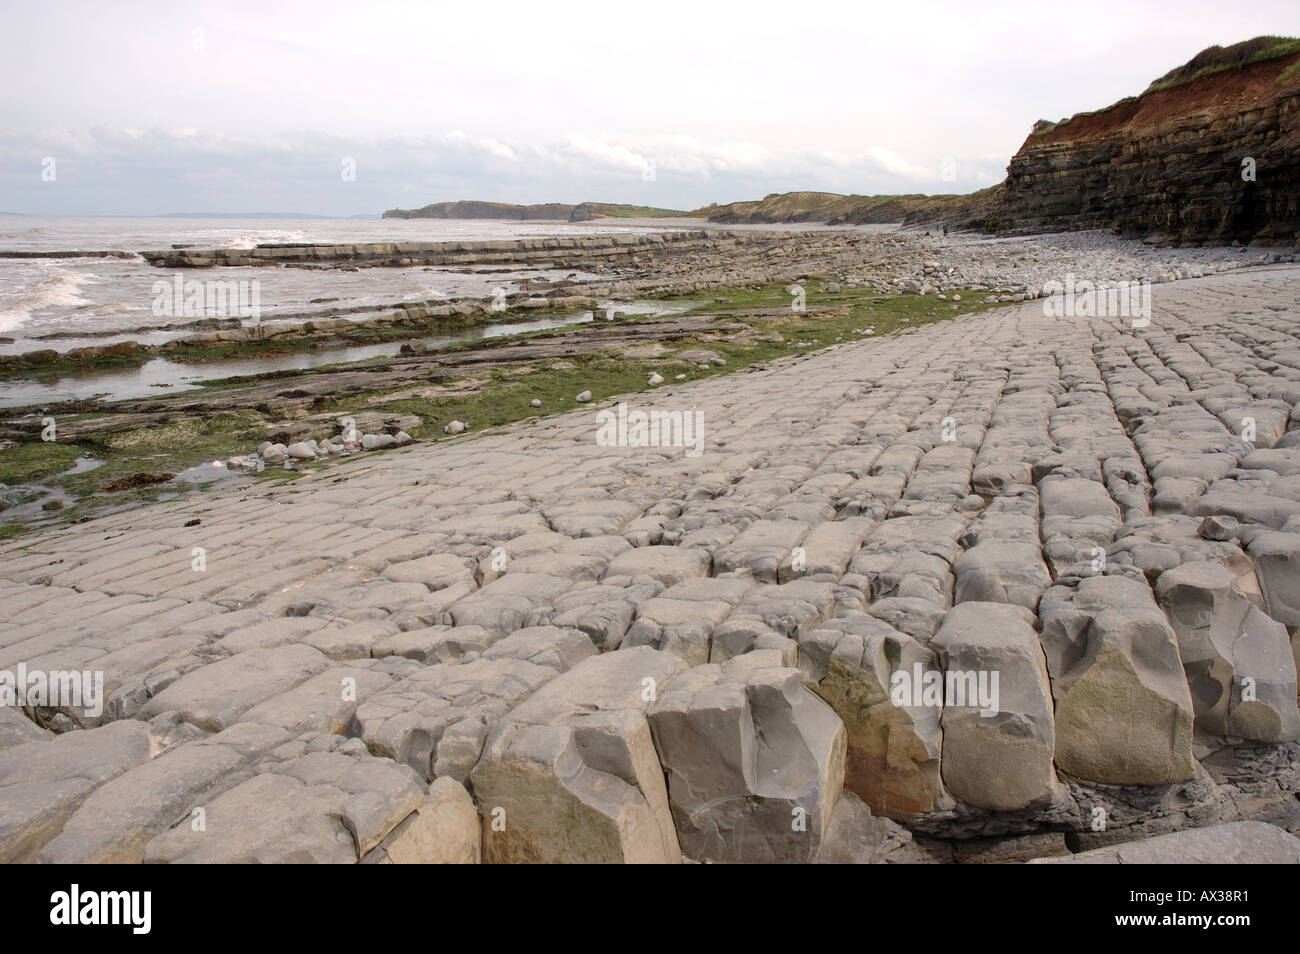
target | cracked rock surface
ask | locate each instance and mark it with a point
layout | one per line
(526, 646)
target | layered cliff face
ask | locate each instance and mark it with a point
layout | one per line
(1209, 153)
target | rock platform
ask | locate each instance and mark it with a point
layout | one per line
(526, 646)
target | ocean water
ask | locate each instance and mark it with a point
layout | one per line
(156, 374)
(96, 233)
(71, 302)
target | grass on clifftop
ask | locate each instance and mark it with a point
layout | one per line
(1209, 62)
(645, 212)
(1219, 59)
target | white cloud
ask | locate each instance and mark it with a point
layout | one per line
(891, 161)
(524, 102)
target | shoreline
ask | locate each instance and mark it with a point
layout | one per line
(334, 559)
(851, 278)
(600, 267)
(487, 382)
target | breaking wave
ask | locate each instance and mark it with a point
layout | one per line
(40, 285)
(253, 239)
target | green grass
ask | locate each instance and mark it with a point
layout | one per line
(646, 212)
(1230, 58)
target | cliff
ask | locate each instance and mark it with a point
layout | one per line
(1209, 152)
(551, 211)
(835, 209)
(484, 210)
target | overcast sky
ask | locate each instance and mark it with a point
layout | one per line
(151, 108)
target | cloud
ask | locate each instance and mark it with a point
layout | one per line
(122, 170)
(892, 162)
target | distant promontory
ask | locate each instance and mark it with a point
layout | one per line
(547, 211)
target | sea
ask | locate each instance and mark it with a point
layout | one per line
(71, 302)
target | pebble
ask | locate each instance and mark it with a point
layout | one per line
(301, 451)
(1218, 527)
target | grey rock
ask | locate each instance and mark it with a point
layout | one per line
(1236, 843)
(572, 774)
(999, 711)
(755, 761)
(893, 749)
(1123, 710)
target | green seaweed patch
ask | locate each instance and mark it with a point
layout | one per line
(39, 460)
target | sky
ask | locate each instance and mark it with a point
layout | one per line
(349, 108)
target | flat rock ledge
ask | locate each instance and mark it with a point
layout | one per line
(1011, 587)
(1237, 843)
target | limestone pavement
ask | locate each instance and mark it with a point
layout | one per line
(525, 646)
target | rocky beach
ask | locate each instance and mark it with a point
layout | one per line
(818, 529)
(633, 653)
